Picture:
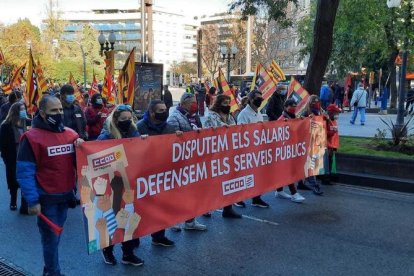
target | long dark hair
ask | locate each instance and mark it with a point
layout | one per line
(219, 100)
(13, 117)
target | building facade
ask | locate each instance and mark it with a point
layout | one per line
(173, 37)
(285, 41)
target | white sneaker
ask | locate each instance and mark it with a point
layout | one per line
(176, 228)
(298, 198)
(194, 225)
(283, 194)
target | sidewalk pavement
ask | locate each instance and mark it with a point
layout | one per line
(372, 124)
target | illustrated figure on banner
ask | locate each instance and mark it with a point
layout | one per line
(108, 209)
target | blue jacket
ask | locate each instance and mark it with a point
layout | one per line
(325, 93)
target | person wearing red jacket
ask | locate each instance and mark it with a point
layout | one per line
(333, 137)
(96, 115)
(289, 111)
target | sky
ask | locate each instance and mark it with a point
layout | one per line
(12, 10)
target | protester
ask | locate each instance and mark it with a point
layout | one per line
(200, 92)
(10, 132)
(12, 98)
(288, 113)
(218, 116)
(73, 116)
(243, 103)
(249, 115)
(333, 139)
(155, 123)
(210, 97)
(121, 123)
(184, 118)
(409, 105)
(167, 97)
(96, 115)
(338, 95)
(325, 95)
(312, 108)
(275, 105)
(359, 102)
(48, 179)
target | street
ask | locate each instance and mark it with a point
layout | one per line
(348, 231)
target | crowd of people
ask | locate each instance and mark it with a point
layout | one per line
(39, 152)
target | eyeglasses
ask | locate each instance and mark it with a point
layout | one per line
(124, 107)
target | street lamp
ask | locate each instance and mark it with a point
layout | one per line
(105, 42)
(228, 54)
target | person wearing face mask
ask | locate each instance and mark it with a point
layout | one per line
(275, 105)
(96, 115)
(250, 115)
(10, 132)
(46, 174)
(219, 116)
(184, 118)
(312, 108)
(121, 123)
(332, 139)
(288, 113)
(73, 116)
(154, 122)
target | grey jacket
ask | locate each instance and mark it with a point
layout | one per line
(180, 122)
(361, 96)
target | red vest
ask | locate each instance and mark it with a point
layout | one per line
(55, 158)
(333, 135)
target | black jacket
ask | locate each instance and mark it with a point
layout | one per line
(74, 118)
(275, 106)
(168, 100)
(145, 128)
(8, 146)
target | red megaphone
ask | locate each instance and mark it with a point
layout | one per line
(56, 228)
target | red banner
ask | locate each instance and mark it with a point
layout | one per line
(134, 187)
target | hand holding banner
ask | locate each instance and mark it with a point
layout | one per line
(180, 177)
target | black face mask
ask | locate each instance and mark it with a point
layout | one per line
(54, 121)
(225, 109)
(162, 117)
(258, 102)
(124, 125)
(97, 105)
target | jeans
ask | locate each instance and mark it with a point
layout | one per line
(354, 115)
(56, 212)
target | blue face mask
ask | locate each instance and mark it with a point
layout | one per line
(70, 98)
(283, 92)
(23, 114)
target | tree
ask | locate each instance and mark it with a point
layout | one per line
(322, 38)
(210, 48)
(362, 29)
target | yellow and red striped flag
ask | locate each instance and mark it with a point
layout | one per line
(128, 79)
(94, 86)
(263, 82)
(225, 88)
(276, 71)
(107, 89)
(120, 99)
(32, 88)
(15, 79)
(298, 94)
(78, 94)
(2, 59)
(41, 81)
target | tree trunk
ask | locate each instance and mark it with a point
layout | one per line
(393, 77)
(322, 44)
